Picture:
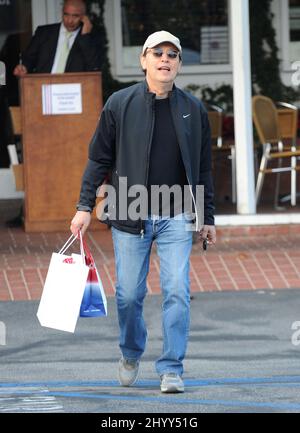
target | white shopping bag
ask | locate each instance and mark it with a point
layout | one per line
(63, 290)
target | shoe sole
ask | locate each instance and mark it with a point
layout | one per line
(171, 389)
(131, 383)
(128, 384)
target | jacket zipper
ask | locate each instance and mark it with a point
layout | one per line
(190, 185)
(142, 232)
(194, 201)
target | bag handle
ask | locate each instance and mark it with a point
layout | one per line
(70, 241)
(81, 247)
(67, 245)
(87, 252)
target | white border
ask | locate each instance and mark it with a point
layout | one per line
(39, 13)
(54, 8)
(257, 219)
(45, 12)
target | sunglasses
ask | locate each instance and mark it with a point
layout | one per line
(171, 54)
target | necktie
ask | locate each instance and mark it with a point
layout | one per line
(63, 55)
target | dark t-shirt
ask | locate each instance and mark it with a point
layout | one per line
(166, 165)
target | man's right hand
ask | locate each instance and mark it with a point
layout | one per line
(80, 222)
(20, 71)
(87, 25)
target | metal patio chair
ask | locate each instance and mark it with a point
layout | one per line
(271, 135)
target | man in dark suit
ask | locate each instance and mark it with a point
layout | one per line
(69, 46)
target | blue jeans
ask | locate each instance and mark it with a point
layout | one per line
(132, 256)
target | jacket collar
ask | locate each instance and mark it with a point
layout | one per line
(150, 95)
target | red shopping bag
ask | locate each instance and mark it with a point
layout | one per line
(94, 303)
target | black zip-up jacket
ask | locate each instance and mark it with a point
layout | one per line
(122, 142)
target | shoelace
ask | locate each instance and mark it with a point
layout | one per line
(130, 363)
(172, 375)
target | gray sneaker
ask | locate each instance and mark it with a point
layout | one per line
(128, 371)
(171, 383)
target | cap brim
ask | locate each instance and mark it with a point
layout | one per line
(162, 42)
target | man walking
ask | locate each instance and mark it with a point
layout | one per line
(152, 133)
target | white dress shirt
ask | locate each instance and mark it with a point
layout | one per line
(61, 39)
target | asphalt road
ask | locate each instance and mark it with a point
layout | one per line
(243, 356)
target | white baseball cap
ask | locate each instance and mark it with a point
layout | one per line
(158, 38)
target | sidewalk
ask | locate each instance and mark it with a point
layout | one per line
(243, 351)
(245, 258)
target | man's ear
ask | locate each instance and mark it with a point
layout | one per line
(143, 61)
(179, 66)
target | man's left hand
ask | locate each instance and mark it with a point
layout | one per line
(209, 233)
(87, 25)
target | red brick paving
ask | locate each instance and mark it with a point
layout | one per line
(245, 258)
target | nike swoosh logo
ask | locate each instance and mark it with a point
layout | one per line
(185, 116)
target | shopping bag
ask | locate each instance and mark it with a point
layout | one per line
(94, 303)
(63, 290)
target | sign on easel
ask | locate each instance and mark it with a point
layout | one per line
(61, 99)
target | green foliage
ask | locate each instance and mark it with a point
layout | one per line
(221, 95)
(265, 62)
(95, 10)
(264, 51)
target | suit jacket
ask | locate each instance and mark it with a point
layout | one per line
(84, 55)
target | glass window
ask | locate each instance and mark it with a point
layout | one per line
(15, 34)
(294, 18)
(201, 25)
